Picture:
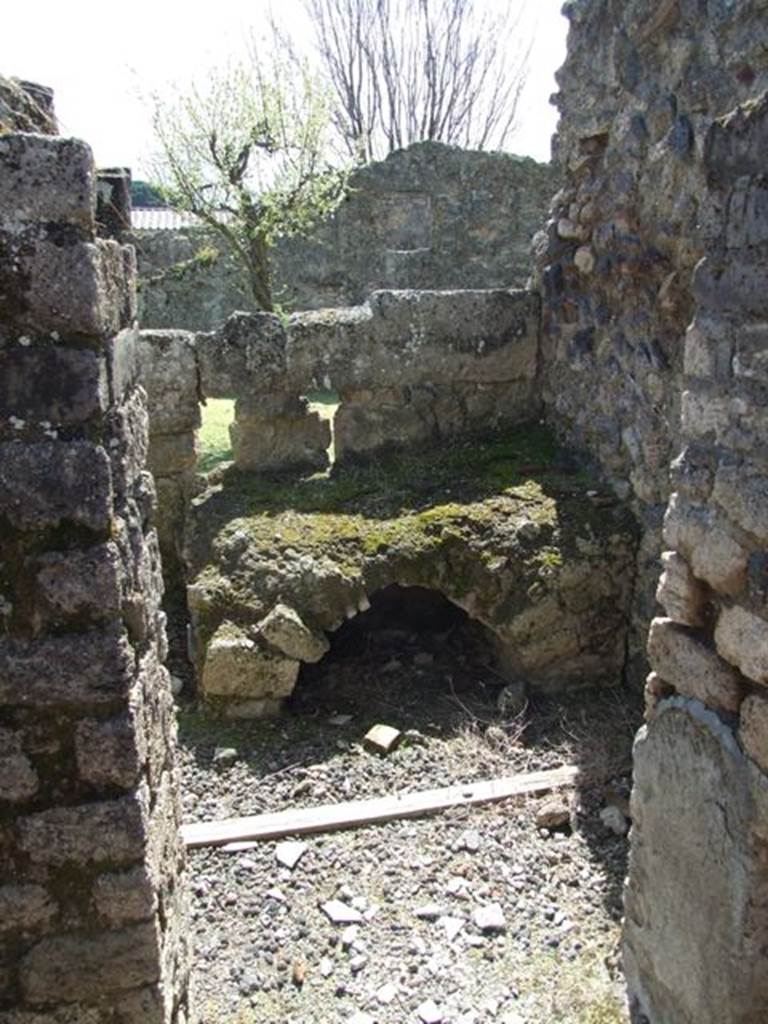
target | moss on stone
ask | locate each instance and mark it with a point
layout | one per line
(488, 522)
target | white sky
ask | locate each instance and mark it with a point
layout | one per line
(100, 58)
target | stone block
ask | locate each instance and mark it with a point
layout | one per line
(741, 490)
(298, 441)
(56, 386)
(731, 286)
(90, 968)
(742, 639)
(701, 535)
(80, 582)
(704, 416)
(750, 358)
(76, 670)
(681, 595)
(683, 660)
(407, 339)
(747, 215)
(708, 349)
(172, 498)
(235, 666)
(695, 928)
(112, 832)
(168, 373)
(284, 629)
(46, 180)
(247, 355)
(25, 908)
(152, 1004)
(47, 484)
(18, 778)
(122, 352)
(692, 472)
(655, 690)
(735, 144)
(373, 420)
(79, 289)
(124, 897)
(753, 729)
(171, 454)
(108, 753)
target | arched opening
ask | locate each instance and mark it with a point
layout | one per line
(413, 658)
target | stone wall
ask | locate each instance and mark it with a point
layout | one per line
(410, 368)
(696, 932)
(641, 85)
(26, 107)
(428, 217)
(91, 902)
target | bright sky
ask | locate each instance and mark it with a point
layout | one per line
(100, 59)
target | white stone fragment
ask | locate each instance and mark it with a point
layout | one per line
(614, 820)
(381, 739)
(470, 841)
(387, 993)
(326, 967)
(290, 853)
(429, 1013)
(489, 918)
(340, 913)
(452, 926)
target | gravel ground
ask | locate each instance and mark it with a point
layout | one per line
(475, 915)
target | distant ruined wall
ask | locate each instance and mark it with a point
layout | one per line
(428, 217)
(641, 85)
(91, 867)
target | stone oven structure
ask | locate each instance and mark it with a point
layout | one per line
(649, 357)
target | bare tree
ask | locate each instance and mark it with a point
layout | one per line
(406, 71)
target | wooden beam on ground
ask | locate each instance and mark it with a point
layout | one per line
(330, 817)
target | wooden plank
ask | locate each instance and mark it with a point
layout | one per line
(329, 817)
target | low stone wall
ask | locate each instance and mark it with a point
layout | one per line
(696, 932)
(91, 868)
(428, 217)
(410, 368)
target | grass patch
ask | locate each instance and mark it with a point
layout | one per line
(214, 445)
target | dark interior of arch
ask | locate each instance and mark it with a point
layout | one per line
(411, 659)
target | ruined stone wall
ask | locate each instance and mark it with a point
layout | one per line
(642, 84)
(91, 907)
(696, 933)
(26, 107)
(410, 368)
(428, 217)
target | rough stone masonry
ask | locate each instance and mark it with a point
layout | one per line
(653, 272)
(91, 869)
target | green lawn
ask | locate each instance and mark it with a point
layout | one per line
(213, 442)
